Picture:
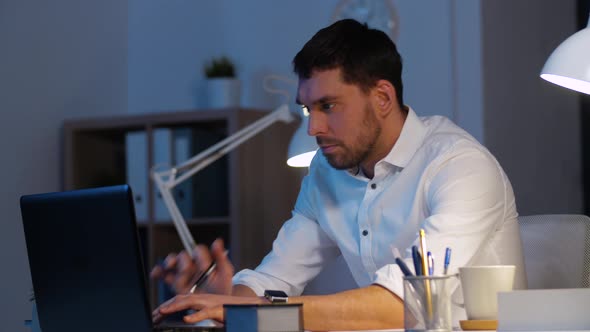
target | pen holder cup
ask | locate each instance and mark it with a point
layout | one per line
(427, 303)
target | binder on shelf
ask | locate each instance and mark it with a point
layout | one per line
(136, 172)
(163, 158)
(210, 186)
(183, 193)
(172, 147)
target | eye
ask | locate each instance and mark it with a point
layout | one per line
(326, 106)
(305, 110)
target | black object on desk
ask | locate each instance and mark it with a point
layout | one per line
(85, 262)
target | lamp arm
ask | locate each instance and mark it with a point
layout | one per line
(166, 180)
(218, 150)
(185, 235)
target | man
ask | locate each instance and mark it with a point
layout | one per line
(383, 173)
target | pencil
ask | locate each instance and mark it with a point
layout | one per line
(424, 252)
(203, 277)
(426, 272)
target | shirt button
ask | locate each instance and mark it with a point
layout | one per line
(365, 232)
(373, 185)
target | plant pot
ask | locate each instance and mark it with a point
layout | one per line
(223, 92)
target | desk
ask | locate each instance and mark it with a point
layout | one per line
(388, 330)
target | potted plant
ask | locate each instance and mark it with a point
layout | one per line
(223, 88)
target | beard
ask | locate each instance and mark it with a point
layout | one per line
(361, 146)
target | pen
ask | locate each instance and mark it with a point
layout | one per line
(417, 258)
(430, 264)
(447, 260)
(403, 267)
(203, 277)
(400, 262)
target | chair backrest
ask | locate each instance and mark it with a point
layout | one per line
(556, 250)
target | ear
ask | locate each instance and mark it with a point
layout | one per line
(385, 100)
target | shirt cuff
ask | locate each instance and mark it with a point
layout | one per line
(259, 282)
(248, 278)
(390, 277)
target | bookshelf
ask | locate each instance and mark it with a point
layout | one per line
(243, 198)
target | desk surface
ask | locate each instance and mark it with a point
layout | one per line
(389, 330)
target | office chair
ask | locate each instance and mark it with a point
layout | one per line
(556, 250)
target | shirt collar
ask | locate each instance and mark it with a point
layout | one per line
(409, 141)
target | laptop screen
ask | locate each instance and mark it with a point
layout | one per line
(85, 261)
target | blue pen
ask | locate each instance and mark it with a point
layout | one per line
(430, 264)
(417, 258)
(447, 260)
(404, 267)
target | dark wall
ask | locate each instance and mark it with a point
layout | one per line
(583, 11)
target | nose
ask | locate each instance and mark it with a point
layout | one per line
(317, 124)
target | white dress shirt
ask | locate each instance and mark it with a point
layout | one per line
(436, 177)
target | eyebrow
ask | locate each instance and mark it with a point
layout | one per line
(322, 100)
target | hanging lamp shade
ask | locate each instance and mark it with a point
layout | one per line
(569, 64)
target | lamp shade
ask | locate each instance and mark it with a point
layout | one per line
(569, 64)
(302, 147)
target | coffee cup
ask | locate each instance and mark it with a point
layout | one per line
(480, 286)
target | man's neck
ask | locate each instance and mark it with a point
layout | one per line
(390, 133)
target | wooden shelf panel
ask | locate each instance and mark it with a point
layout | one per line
(162, 119)
(193, 221)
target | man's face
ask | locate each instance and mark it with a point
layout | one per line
(341, 118)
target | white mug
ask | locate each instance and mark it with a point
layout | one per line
(480, 285)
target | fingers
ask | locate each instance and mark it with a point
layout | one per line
(166, 267)
(186, 271)
(215, 313)
(176, 271)
(182, 271)
(202, 257)
(183, 302)
(207, 306)
(178, 303)
(224, 266)
(157, 316)
(218, 249)
(183, 262)
(157, 272)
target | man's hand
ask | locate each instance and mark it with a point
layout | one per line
(207, 306)
(181, 271)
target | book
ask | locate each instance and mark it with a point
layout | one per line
(284, 317)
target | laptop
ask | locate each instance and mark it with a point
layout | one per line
(86, 264)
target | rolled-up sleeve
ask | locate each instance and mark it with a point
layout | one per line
(390, 277)
(298, 253)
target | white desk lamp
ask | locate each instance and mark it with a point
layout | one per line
(167, 179)
(569, 64)
(302, 147)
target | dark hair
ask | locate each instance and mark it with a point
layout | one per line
(364, 55)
